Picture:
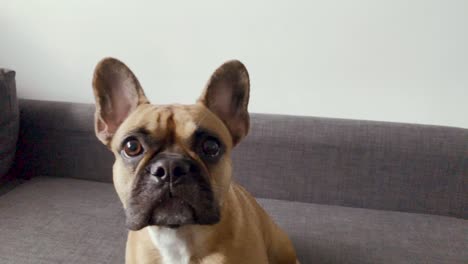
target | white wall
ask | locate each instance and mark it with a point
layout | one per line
(394, 60)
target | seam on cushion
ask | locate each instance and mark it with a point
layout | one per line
(259, 199)
(8, 186)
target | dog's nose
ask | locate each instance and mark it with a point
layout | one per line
(170, 169)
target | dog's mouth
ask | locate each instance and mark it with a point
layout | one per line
(189, 203)
(173, 212)
(179, 212)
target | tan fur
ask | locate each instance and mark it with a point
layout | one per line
(245, 233)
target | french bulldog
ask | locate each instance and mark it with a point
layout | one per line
(173, 172)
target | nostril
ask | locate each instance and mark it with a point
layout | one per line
(160, 172)
(179, 171)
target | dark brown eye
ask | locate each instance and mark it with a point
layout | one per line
(211, 147)
(132, 148)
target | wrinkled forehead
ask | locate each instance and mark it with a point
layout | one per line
(181, 121)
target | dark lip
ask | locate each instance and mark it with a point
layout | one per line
(170, 197)
(161, 203)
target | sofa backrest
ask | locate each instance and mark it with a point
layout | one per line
(367, 164)
(379, 165)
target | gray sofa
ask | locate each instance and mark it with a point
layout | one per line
(346, 191)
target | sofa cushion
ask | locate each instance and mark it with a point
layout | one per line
(63, 220)
(9, 120)
(335, 234)
(53, 220)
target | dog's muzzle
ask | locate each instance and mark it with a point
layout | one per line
(171, 191)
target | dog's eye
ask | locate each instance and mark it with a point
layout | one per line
(211, 147)
(132, 148)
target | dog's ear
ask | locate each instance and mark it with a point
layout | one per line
(117, 93)
(227, 95)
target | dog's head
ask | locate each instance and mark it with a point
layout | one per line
(172, 162)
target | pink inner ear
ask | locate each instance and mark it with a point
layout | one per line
(123, 100)
(222, 100)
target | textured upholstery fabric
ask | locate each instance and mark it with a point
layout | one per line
(379, 165)
(57, 139)
(336, 234)
(62, 220)
(9, 120)
(59, 220)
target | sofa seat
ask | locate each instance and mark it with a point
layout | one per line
(64, 220)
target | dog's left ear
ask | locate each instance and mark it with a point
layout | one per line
(227, 95)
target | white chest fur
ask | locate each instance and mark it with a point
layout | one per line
(172, 246)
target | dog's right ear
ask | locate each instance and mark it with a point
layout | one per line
(117, 93)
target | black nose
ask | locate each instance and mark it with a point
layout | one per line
(170, 169)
